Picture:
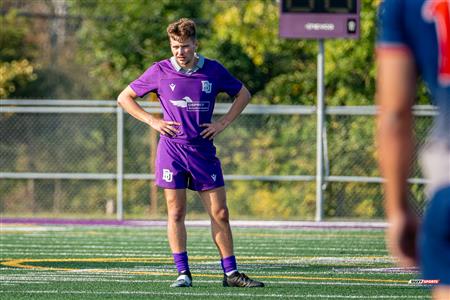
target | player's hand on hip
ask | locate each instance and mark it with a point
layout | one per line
(167, 128)
(211, 130)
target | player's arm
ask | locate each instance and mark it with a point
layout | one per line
(396, 85)
(126, 100)
(239, 103)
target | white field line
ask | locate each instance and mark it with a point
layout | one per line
(252, 257)
(63, 274)
(218, 295)
(48, 280)
(213, 268)
(163, 243)
(160, 243)
(68, 235)
(304, 225)
(132, 238)
(297, 245)
(165, 246)
(120, 253)
(98, 240)
(16, 282)
(128, 273)
(81, 253)
(46, 255)
(101, 247)
(70, 239)
(241, 258)
(289, 225)
(261, 242)
(4, 228)
(214, 271)
(135, 236)
(210, 271)
(6, 248)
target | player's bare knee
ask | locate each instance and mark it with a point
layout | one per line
(176, 215)
(221, 215)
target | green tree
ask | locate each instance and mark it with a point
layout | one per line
(16, 67)
(275, 67)
(120, 39)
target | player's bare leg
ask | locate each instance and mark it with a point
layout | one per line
(176, 213)
(216, 205)
(176, 232)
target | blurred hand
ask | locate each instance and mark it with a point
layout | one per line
(402, 237)
(212, 129)
(166, 128)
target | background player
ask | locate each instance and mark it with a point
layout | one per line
(187, 85)
(415, 39)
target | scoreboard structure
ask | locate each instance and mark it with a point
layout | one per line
(319, 19)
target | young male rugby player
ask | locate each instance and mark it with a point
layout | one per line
(187, 85)
(415, 39)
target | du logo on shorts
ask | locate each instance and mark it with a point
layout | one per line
(167, 175)
(206, 86)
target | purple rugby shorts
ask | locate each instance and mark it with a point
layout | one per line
(180, 166)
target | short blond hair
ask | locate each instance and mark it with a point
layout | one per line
(182, 30)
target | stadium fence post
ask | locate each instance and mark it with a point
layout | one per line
(119, 174)
(320, 129)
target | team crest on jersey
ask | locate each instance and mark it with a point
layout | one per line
(206, 86)
(167, 175)
(172, 86)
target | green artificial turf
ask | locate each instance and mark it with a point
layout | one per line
(63, 262)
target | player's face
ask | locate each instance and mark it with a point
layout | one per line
(184, 52)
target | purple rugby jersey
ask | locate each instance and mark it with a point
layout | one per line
(187, 98)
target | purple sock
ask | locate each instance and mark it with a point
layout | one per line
(181, 261)
(228, 264)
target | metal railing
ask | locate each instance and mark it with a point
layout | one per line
(58, 107)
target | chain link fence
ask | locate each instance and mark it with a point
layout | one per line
(61, 159)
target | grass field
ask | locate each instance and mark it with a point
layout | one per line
(79, 262)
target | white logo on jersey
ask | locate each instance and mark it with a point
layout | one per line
(167, 175)
(206, 86)
(172, 86)
(182, 103)
(191, 105)
(213, 176)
